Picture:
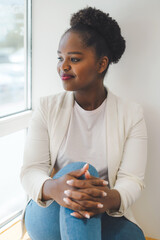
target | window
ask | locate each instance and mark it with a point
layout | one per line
(12, 195)
(15, 102)
(15, 52)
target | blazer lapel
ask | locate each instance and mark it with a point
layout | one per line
(61, 124)
(112, 138)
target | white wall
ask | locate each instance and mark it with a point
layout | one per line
(135, 77)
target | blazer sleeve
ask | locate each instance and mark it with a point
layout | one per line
(36, 160)
(130, 176)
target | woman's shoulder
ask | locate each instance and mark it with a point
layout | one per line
(126, 108)
(55, 100)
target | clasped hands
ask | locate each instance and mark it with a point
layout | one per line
(86, 197)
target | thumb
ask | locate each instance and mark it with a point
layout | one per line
(87, 175)
(79, 172)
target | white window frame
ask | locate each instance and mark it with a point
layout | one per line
(18, 121)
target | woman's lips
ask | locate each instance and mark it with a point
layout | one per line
(66, 77)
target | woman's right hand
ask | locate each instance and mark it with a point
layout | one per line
(61, 186)
(55, 189)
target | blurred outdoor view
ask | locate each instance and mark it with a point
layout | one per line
(12, 100)
(12, 57)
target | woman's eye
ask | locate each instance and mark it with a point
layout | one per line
(75, 59)
(72, 59)
(59, 58)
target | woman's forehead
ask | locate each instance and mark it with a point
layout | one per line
(71, 41)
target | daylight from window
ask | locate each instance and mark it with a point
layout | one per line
(13, 197)
(12, 57)
(15, 97)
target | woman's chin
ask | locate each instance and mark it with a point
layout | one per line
(68, 88)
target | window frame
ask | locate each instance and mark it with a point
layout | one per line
(17, 121)
(20, 120)
(28, 62)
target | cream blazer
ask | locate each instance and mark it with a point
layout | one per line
(126, 139)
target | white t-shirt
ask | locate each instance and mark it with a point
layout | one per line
(85, 139)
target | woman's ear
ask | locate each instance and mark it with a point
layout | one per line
(103, 63)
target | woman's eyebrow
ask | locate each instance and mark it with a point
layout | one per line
(72, 52)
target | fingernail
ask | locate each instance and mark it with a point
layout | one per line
(67, 192)
(87, 215)
(100, 205)
(70, 182)
(105, 183)
(88, 172)
(104, 194)
(72, 214)
(66, 200)
(84, 166)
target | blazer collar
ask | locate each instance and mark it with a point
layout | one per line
(112, 132)
(112, 137)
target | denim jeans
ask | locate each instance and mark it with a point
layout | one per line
(55, 222)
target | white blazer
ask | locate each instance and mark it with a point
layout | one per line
(126, 147)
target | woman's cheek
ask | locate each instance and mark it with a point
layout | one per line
(58, 67)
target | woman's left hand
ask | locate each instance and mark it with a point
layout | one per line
(108, 199)
(104, 200)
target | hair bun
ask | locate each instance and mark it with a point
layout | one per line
(104, 25)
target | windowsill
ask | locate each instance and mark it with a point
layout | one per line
(13, 232)
(14, 122)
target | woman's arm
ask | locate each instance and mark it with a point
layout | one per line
(36, 160)
(130, 177)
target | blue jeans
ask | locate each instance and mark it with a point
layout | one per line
(56, 223)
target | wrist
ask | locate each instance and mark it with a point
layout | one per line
(115, 200)
(48, 189)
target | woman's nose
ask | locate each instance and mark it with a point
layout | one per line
(65, 66)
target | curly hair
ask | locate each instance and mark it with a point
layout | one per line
(100, 31)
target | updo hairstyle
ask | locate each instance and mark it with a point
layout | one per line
(99, 30)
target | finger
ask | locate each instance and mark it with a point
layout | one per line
(79, 183)
(73, 205)
(77, 215)
(87, 204)
(85, 214)
(87, 182)
(76, 195)
(79, 172)
(91, 214)
(81, 214)
(88, 214)
(97, 181)
(87, 175)
(85, 194)
(94, 192)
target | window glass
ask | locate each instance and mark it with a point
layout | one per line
(13, 197)
(13, 57)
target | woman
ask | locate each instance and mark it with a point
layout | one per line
(92, 141)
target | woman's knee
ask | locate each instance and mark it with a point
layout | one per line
(42, 223)
(75, 166)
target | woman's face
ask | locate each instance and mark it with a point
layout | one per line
(77, 66)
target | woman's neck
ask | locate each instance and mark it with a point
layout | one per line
(92, 98)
